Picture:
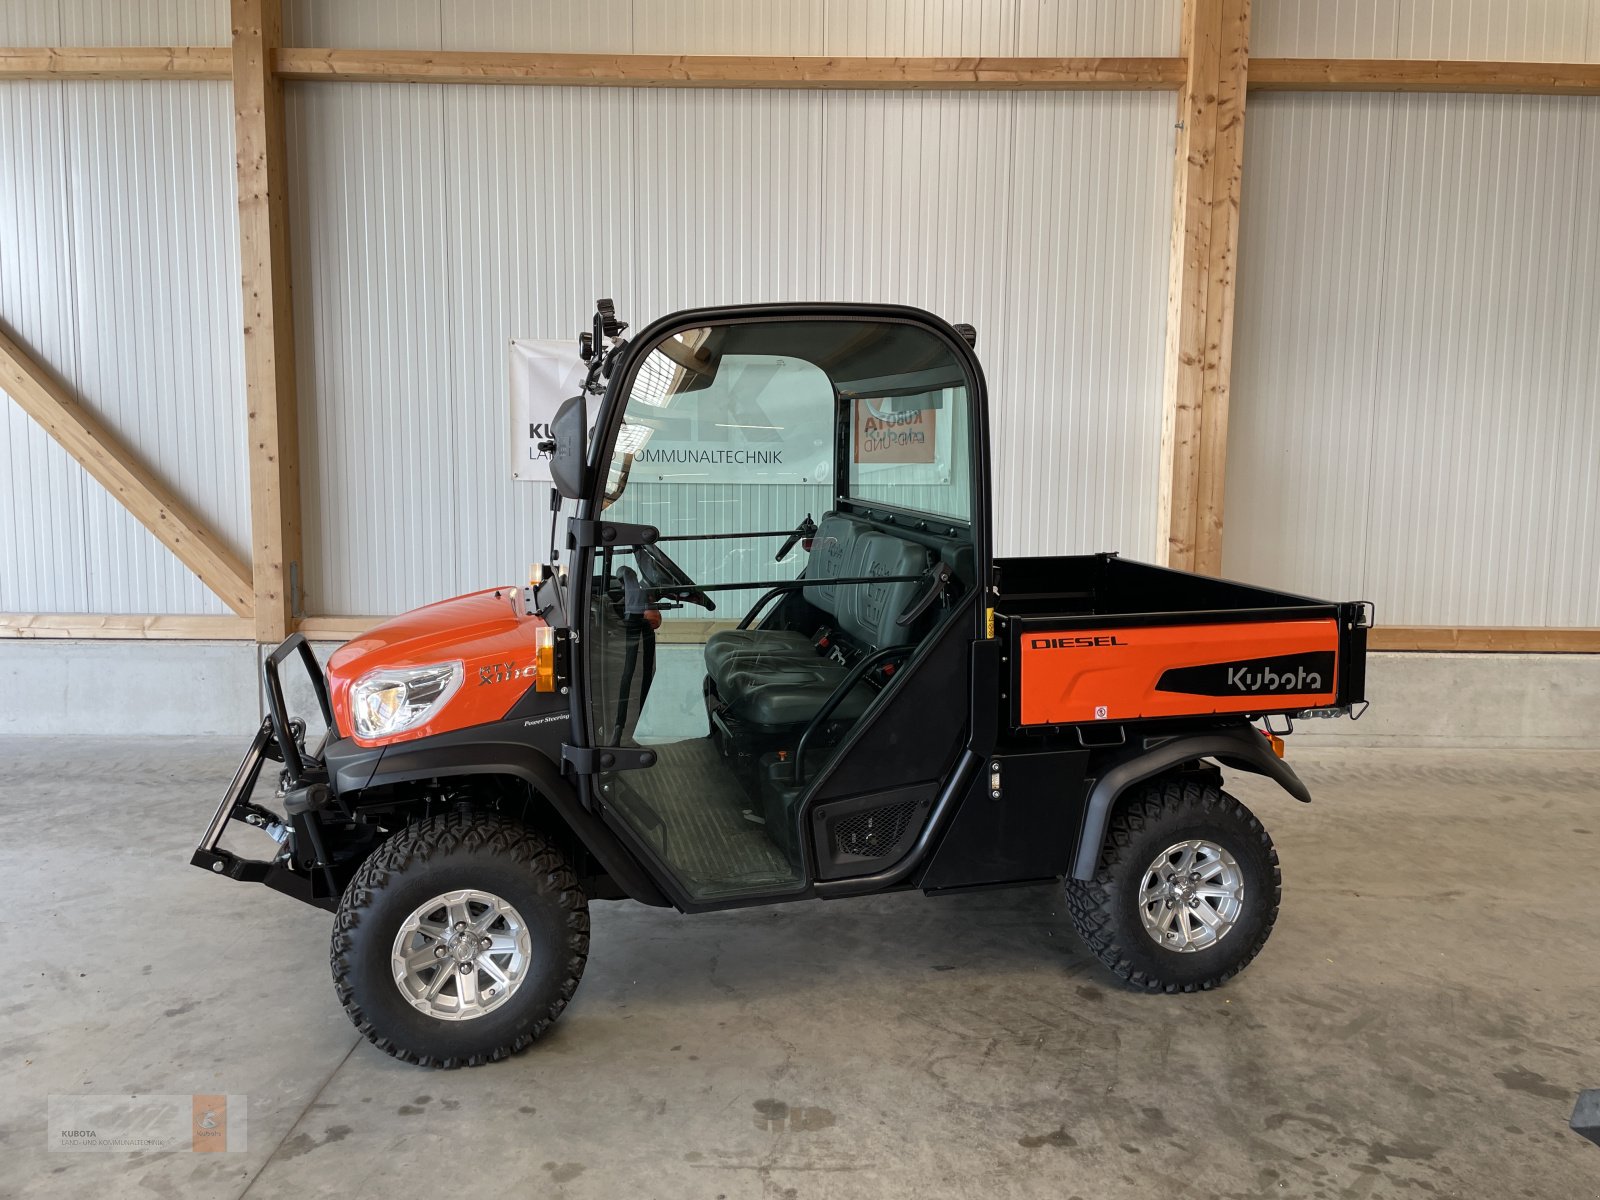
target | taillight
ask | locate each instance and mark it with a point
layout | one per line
(805, 544)
(544, 659)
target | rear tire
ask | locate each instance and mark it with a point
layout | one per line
(1156, 926)
(500, 911)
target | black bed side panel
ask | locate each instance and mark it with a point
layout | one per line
(1019, 821)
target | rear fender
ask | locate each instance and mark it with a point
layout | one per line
(1242, 748)
(419, 760)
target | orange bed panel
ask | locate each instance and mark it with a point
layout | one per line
(1072, 676)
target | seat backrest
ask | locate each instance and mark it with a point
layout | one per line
(867, 612)
(832, 552)
(847, 547)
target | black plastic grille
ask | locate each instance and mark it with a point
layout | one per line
(873, 832)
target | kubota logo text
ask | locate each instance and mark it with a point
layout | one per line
(1303, 674)
(1267, 680)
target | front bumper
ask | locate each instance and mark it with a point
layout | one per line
(300, 870)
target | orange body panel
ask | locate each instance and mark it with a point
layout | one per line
(487, 631)
(1070, 676)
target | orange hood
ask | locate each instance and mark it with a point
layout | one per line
(487, 632)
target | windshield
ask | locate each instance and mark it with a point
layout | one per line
(760, 417)
(769, 402)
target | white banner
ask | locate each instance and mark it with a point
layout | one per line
(544, 374)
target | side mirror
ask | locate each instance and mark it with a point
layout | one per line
(570, 432)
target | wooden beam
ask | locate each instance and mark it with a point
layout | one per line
(342, 629)
(1205, 239)
(1391, 638)
(336, 629)
(269, 368)
(126, 627)
(1418, 75)
(155, 505)
(116, 62)
(692, 631)
(1484, 639)
(705, 70)
(730, 71)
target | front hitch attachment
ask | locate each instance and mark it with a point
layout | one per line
(303, 790)
(237, 805)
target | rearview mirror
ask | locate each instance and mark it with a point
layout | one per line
(692, 357)
(570, 432)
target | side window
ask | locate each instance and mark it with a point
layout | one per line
(711, 451)
(911, 451)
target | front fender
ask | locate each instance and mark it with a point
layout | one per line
(493, 753)
(1243, 748)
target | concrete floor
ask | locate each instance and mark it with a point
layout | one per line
(1419, 1023)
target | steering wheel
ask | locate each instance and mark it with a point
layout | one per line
(660, 572)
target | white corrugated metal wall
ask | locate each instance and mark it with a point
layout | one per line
(1492, 30)
(1417, 341)
(433, 223)
(871, 27)
(119, 268)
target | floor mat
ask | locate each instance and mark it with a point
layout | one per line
(692, 815)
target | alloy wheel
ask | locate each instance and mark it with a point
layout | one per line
(461, 955)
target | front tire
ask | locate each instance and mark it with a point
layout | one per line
(1186, 891)
(460, 939)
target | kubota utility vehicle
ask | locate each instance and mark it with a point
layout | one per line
(829, 686)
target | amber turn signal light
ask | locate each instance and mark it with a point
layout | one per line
(544, 659)
(1275, 742)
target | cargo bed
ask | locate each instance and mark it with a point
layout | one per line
(1097, 638)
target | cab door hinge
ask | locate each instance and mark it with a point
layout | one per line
(581, 534)
(588, 760)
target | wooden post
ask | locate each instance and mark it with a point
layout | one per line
(268, 316)
(1205, 242)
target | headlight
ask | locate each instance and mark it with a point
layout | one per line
(386, 701)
